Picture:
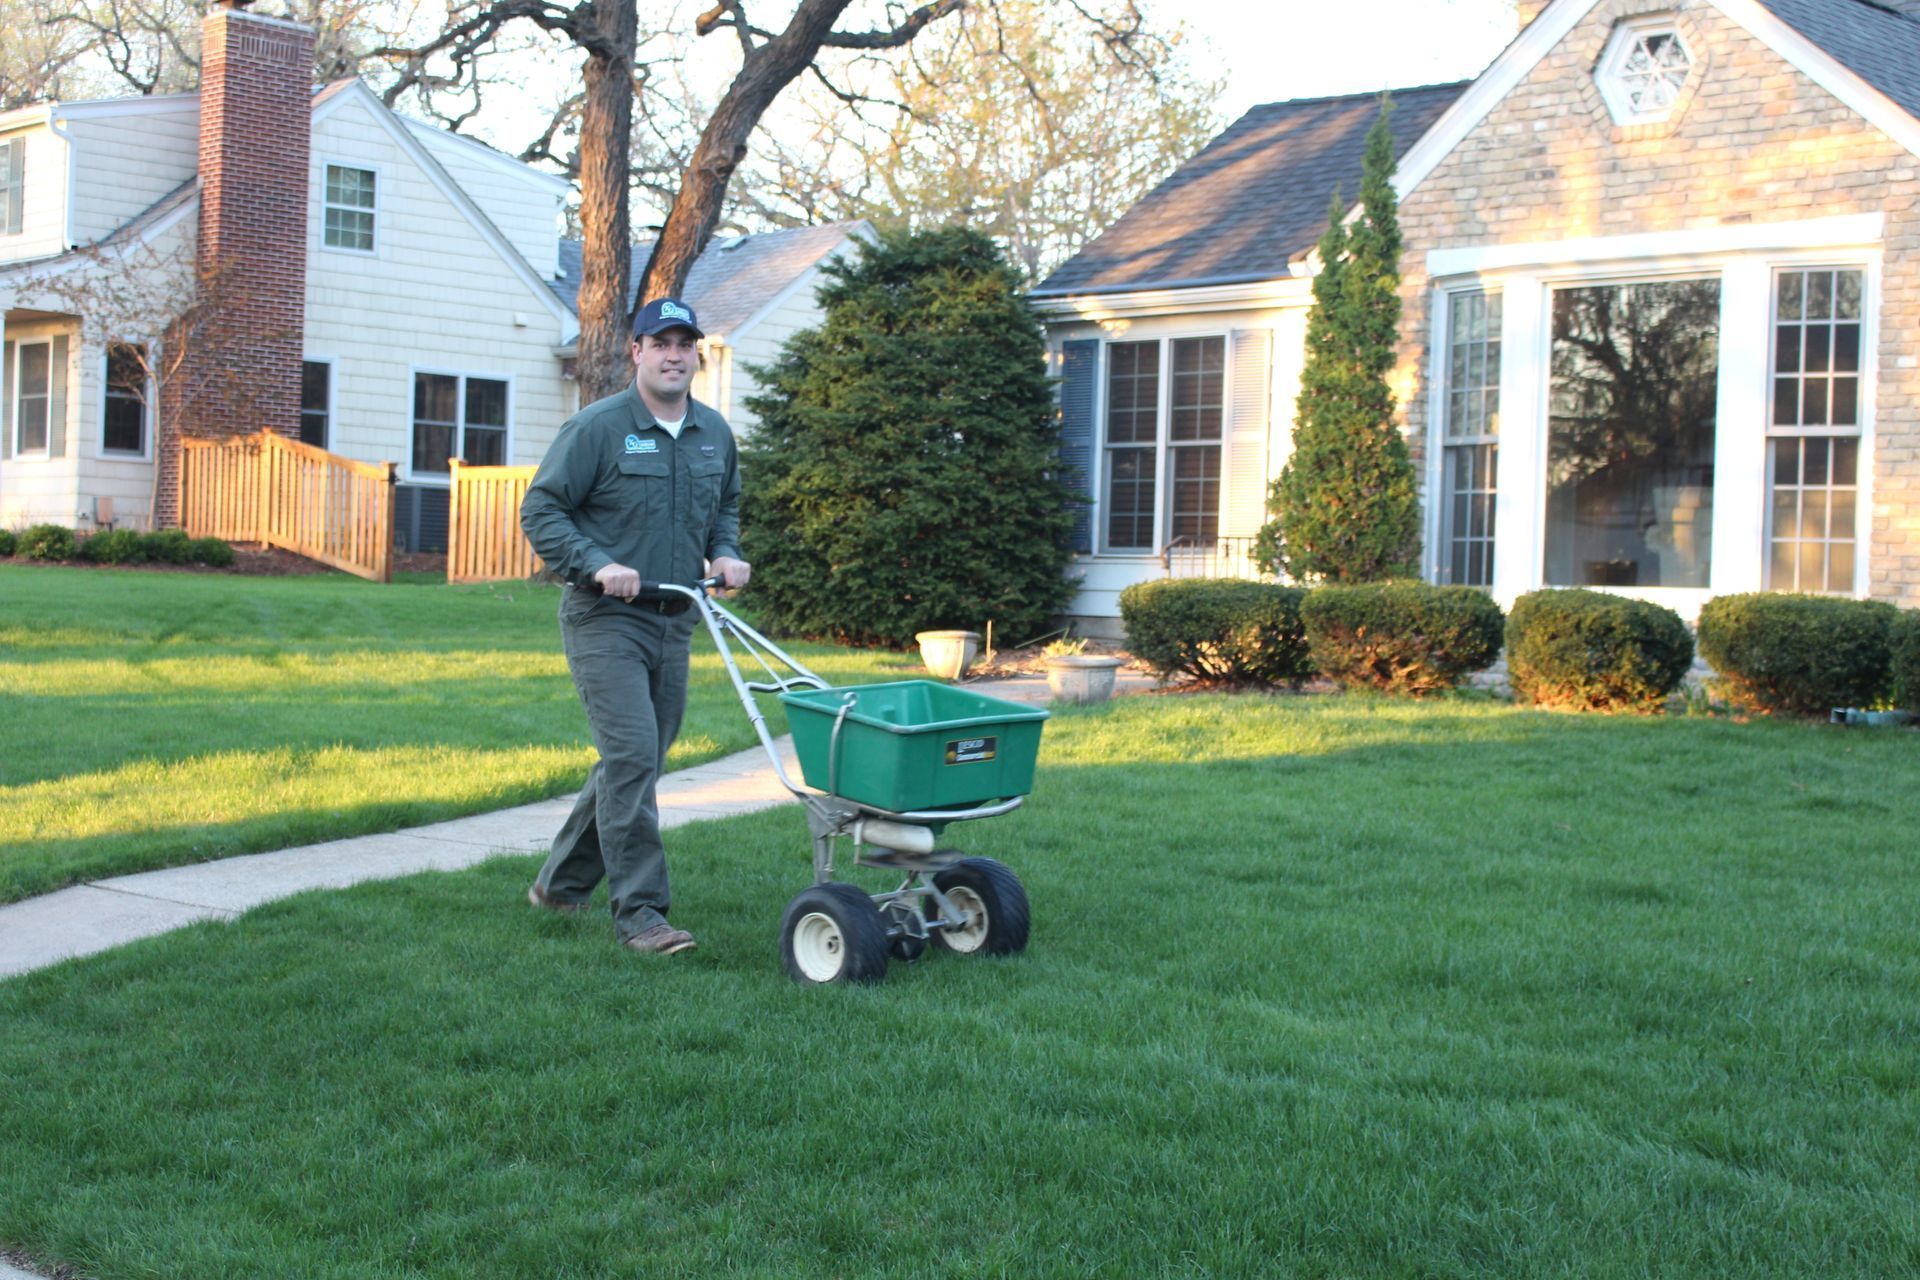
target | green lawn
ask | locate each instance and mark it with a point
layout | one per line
(154, 719)
(1317, 987)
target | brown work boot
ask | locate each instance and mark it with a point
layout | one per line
(662, 939)
(538, 897)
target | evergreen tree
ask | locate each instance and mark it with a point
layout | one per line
(1346, 508)
(903, 475)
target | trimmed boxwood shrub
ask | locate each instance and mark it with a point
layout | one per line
(1905, 647)
(1800, 654)
(1590, 651)
(115, 546)
(167, 546)
(46, 542)
(213, 552)
(1221, 630)
(1401, 637)
(6, 542)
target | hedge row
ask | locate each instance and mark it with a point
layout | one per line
(115, 546)
(1403, 637)
(1583, 650)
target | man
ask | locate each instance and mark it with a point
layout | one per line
(641, 486)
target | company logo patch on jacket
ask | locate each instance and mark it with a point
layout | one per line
(707, 449)
(636, 445)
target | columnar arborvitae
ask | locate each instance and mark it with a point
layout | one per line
(1346, 507)
(903, 477)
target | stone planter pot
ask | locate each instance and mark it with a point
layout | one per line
(1079, 679)
(948, 654)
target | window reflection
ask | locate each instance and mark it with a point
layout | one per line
(1631, 434)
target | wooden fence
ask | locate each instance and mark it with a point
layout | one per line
(267, 488)
(484, 542)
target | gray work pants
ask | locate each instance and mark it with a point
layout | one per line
(630, 667)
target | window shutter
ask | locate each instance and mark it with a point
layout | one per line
(6, 400)
(1079, 367)
(13, 163)
(1249, 406)
(57, 400)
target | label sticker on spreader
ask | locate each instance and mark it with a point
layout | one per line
(971, 750)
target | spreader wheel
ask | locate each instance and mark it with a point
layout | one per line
(833, 933)
(995, 906)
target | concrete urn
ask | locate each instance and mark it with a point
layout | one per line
(948, 654)
(1081, 679)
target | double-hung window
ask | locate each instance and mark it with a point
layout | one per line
(316, 402)
(348, 209)
(1469, 453)
(32, 382)
(13, 185)
(1813, 461)
(1162, 462)
(123, 426)
(458, 416)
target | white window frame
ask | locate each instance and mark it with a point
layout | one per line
(145, 452)
(379, 190)
(332, 390)
(444, 479)
(1862, 430)
(1609, 71)
(1163, 445)
(14, 382)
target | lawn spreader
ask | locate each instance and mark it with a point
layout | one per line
(888, 767)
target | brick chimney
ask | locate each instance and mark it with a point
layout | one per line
(242, 366)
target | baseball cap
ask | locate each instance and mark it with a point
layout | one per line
(665, 313)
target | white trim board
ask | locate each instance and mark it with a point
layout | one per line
(1292, 291)
(1847, 231)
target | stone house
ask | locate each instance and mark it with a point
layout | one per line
(388, 291)
(1661, 328)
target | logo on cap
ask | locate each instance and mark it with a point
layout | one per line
(674, 311)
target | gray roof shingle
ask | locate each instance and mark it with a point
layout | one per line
(1254, 198)
(733, 279)
(1877, 40)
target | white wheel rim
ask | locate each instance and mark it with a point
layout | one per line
(972, 935)
(819, 948)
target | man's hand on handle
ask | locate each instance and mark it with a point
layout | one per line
(736, 572)
(624, 583)
(618, 580)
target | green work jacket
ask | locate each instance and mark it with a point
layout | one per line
(615, 488)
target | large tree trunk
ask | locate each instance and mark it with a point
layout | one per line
(723, 145)
(606, 128)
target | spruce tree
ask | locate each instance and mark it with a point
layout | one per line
(1346, 507)
(903, 475)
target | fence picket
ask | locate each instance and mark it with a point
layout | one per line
(484, 542)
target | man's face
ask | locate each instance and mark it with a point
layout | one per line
(666, 362)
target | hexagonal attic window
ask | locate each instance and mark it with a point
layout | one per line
(1643, 71)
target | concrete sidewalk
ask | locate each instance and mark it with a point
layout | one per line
(108, 913)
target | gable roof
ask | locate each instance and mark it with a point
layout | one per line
(1877, 40)
(1253, 200)
(734, 279)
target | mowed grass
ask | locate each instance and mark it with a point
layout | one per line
(155, 718)
(1317, 987)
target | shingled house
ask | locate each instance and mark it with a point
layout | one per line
(1662, 311)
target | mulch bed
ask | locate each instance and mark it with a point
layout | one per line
(256, 560)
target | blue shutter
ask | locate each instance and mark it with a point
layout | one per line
(57, 400)
(1079, 369)
(6, 401)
